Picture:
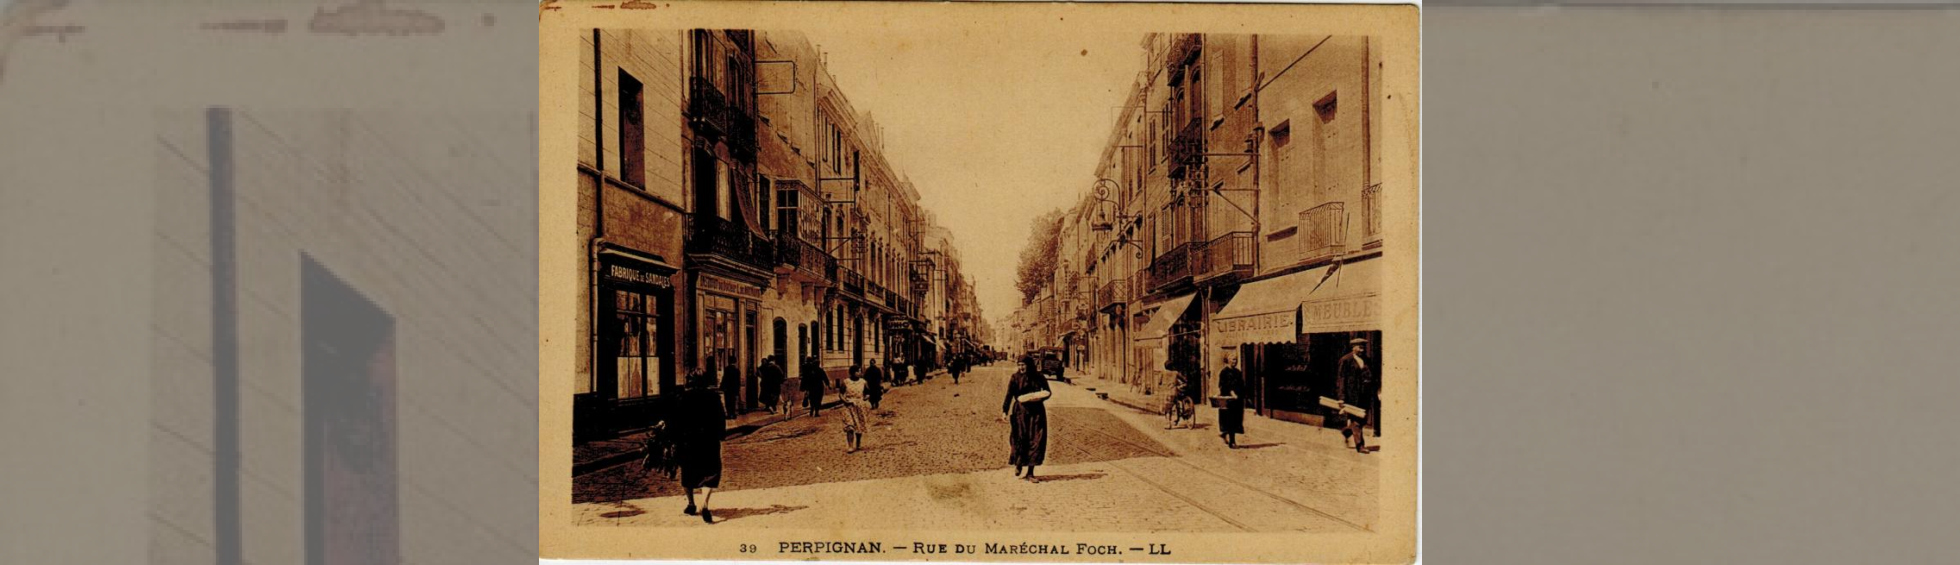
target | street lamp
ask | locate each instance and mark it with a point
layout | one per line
(1103, 221)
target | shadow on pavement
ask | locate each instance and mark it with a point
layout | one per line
(726, 514)
(1074, 477)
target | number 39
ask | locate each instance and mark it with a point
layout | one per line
(748, 548)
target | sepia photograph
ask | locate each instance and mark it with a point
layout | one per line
(978, 282)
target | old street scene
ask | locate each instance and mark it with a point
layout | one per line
(903, 282)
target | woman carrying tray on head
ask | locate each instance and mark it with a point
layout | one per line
(1027, 418)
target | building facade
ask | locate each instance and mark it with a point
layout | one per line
(735, 208)
(1235, 215)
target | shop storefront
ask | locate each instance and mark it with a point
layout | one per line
(728, 312)
(1259, 326)
(1164, 342)
(1347, 306)
(635, 349)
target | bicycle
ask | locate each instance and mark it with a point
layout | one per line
(1179, 410)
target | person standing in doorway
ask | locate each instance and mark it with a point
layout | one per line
(814, 383)
(1355, 380)
(699, 429)
(1027, 415)
(1231, 415)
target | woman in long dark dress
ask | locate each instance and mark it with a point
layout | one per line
(1231, 418)
(699, 419)
(1027, 417)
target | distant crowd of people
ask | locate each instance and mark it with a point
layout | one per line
(686, 443)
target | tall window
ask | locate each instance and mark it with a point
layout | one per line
(632, 132)
(786, 210)
(1196, 94)
(764, 195)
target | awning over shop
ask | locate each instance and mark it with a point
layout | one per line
(1350, 300)
(1167, 314)
(1264, 311)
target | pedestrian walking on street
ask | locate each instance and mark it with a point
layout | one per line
(1354, 384)
(771, 375)
(731, 388)
(1231, 415)
(699, 427)
(857, 415)
(1027, 416)
(874, 384)
(814, 383)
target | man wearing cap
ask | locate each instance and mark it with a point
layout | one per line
(1356, 382)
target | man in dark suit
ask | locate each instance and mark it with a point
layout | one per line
(1356, 380)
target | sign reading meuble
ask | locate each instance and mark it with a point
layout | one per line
(1352, 313)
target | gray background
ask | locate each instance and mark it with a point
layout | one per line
(1686, 291)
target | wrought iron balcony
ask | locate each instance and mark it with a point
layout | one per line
(1229, 254)
(853, 281)
(1171, 268)
(1178, 55)
(797, 257)
(1113, 293)
(707, 109)
(732, 240)
(1323, 232)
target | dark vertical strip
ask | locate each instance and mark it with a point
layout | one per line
(224, 339)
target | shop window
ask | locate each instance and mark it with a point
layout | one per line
(636, 356)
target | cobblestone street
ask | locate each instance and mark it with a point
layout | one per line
(937, 458)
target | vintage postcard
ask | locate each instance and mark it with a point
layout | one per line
(978, 282)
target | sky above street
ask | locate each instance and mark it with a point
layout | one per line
(994, 129)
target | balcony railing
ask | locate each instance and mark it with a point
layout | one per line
(852, 281)
(712, 114)
(793, 255)
(707, 109)
(1172, 267)
(1323, 231)
(1371, 212)
(1227, 255)
(1113, 292)
(732, 240)
(1182, 49)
